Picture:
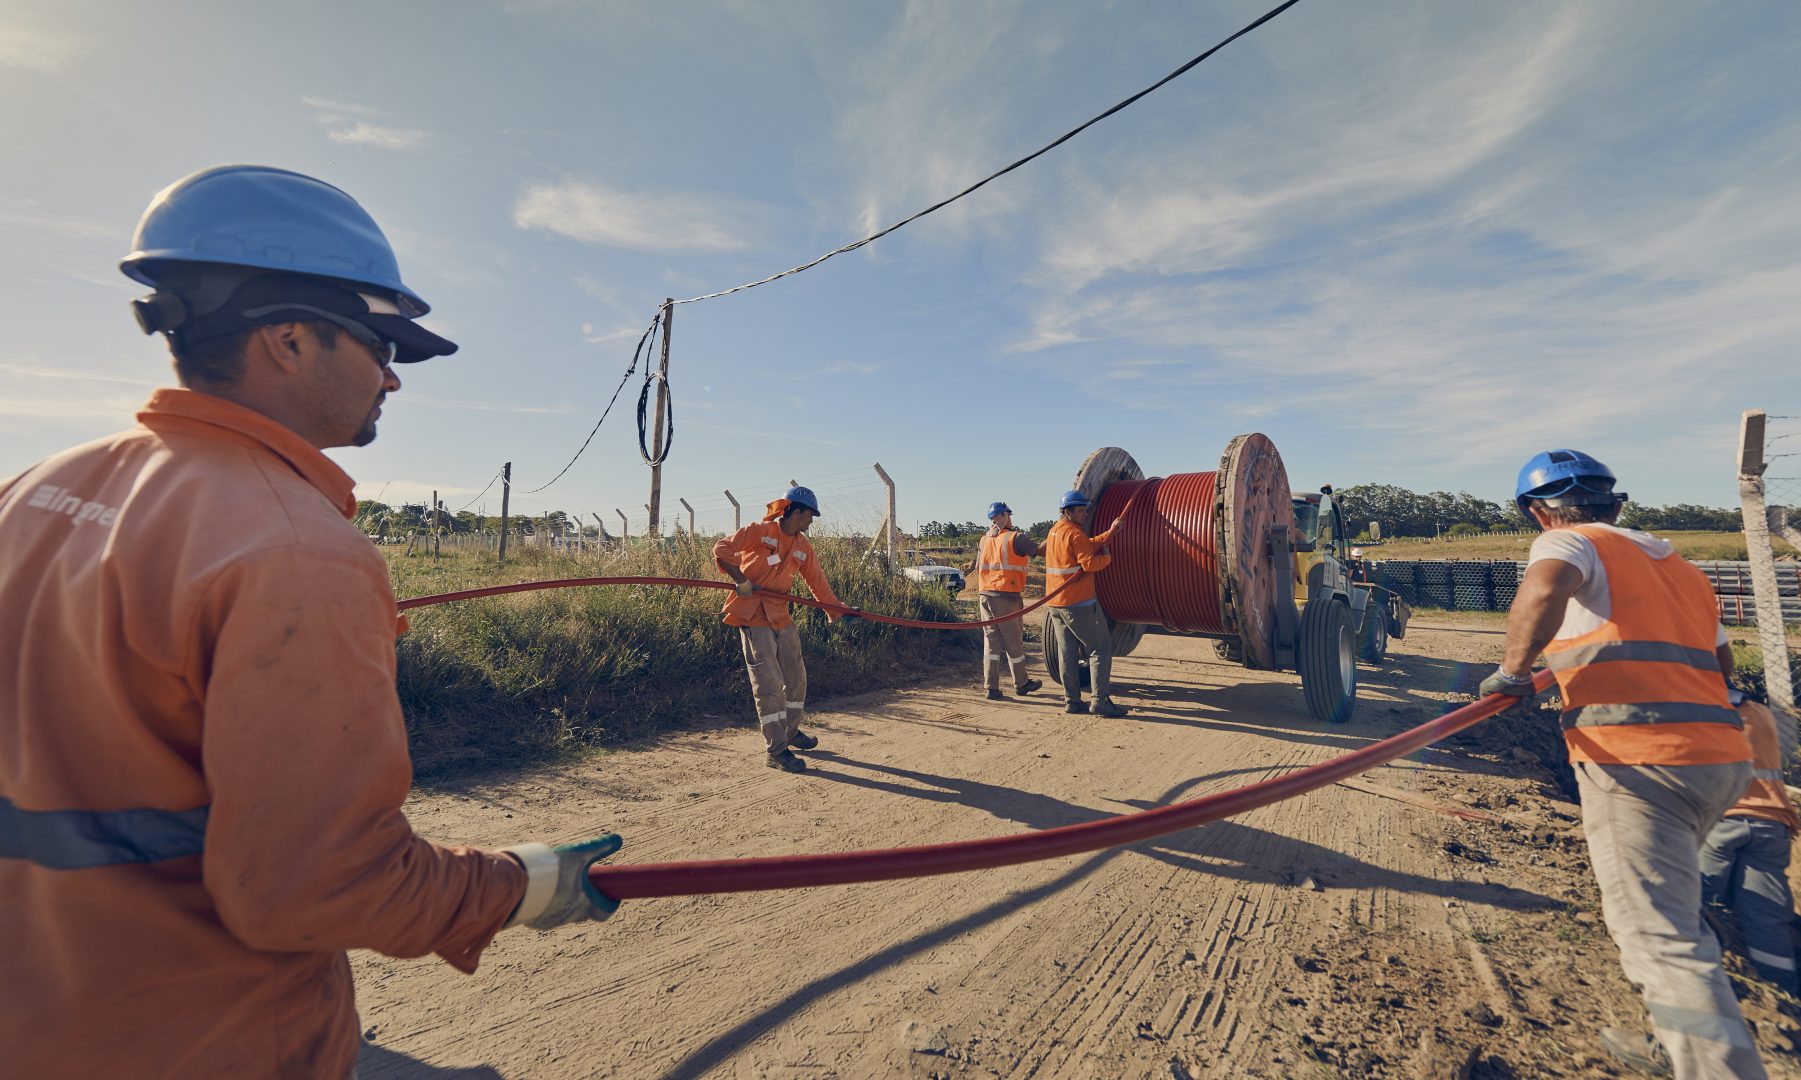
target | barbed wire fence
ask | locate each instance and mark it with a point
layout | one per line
(1769, 481)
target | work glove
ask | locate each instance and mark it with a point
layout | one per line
(746, 588)
(1517, 686)
(557, 890)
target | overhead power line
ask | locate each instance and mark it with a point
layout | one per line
(636, 354)
(1047, 148)
(941, 204)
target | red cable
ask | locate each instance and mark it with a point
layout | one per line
(702, 583)
(633, 882)
(1165, 569)
(705, 583)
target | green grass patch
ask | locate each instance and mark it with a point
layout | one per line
(1696, 545)
(506, 680)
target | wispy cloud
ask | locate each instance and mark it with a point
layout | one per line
(640, 222)
(843, 367)
(34, 49)
(74, 228)
(39, 371)
(387, 138)
(1515, 231)
(482, 406)
(352, 125)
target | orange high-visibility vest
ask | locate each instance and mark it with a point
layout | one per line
(1766, 798)
(1068, 552)
(1000, 569)
(1645, 687)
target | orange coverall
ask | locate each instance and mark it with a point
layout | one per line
(203, 760)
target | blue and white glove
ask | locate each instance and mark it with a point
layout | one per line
(557, 890)
(1519, 686)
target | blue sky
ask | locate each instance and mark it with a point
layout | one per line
(1413, 242)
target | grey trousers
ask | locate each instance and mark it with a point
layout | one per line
(1744, 866)
(1645, 826)
(778, 680)
(1083, 626)
(1004, 644)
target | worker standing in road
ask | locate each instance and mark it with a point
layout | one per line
(1633, 635)
(766, 555)
(1744, 863)
(205, 758)
(1071, 559)
(1000, 569)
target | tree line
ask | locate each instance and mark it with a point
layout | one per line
(1401, 512)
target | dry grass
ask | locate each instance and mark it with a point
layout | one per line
(504, 680)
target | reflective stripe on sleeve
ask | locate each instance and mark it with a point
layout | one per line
(1770, 959)
(81, 839)
(1062, 570)
(1767, 774)
(1651, 712)
(1655, 652)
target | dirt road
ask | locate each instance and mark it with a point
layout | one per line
(1348, 932)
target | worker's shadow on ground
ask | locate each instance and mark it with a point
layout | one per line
(1244, 854)
(376, 1062)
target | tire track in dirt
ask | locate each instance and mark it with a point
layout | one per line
(1171, 947)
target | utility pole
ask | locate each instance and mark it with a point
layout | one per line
(506, 494)
(1766, 594)
(893, 523)
(690, 510)
(737, 514)
(625, 527)
(436, 521)
(655, 505)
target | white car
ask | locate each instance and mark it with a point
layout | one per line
(949, 577)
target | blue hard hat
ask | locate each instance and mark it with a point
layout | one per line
(803, 496)
(261, 218)
(1565, 478)
(1072, 498)
(996, 509)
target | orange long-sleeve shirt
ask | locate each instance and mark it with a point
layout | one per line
(1068, 549)
(769, 558)
(203, 760)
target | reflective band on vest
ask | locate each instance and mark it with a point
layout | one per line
(1657, 652)
(1061, 570)
(1644, 688)
(1650, 712)
(1001, 569)
(81, 839)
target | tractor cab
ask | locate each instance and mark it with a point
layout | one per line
(1325, 567)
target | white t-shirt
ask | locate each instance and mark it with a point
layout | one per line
(1592, 604)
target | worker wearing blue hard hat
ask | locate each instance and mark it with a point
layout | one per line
(1632, 632)
(1000, 568)
(765, 555)
(1071, 559)
(212, 753)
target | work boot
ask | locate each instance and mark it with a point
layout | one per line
(1075, 706)
(1638, 1050)
(785, 760)
(800, 740)
(994, 694)
(1106, 707)
(1027, 687)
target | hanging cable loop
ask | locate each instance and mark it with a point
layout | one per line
(651, 378)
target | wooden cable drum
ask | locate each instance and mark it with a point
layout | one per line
(1193, 556)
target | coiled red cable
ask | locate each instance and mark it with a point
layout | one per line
(1165, 568)
(633, 882)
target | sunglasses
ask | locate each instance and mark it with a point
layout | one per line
(382, 348)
